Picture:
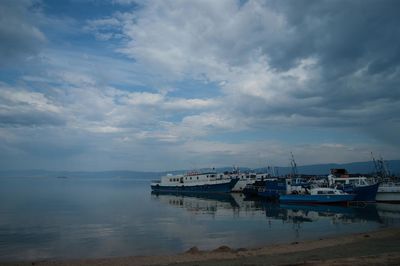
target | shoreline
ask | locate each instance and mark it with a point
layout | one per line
(377, 247)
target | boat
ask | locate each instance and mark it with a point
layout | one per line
(389, 188)
(264, 185)
(244, 179)
(318, 195)
(273, 188)
(205, 182)
(388, 192)
(252, 190)
(364, 190)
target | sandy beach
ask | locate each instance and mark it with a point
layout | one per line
(380, 247)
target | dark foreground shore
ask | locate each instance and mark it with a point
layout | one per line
(374, 248)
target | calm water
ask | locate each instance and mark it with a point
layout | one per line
(76, 217)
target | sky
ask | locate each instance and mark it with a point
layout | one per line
(163, 85)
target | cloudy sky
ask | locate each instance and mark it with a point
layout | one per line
(162, 85)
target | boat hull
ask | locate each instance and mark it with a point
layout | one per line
(225, 187)
(389, 197)
(253, 189)
(364, 193)
(241, 184)
(316, 199)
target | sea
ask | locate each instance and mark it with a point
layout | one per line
(69, 218)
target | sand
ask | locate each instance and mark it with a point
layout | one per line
(380, 247)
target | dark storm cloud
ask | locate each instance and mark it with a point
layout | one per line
(356, 47)
(348, 34)
(355, 43)
(19, 37)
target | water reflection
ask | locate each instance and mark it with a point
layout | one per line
(289, 213)
(75, 218)
(198, 202)
(389, 213)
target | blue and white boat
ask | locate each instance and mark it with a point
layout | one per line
(360, 185)
(318, 196)
(194, 182)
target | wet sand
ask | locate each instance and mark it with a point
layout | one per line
(380, 247)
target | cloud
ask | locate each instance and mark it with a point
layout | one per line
(26, 108)
(20, 38)
(182, 80)
(314, 63)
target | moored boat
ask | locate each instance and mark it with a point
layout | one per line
(388, 192)
(273, 188)
(244, 179)
(194, 182)
(318, 196)
(364, 190)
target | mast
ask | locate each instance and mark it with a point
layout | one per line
(375, 163)
(293, 165)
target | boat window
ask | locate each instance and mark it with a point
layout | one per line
(197, 178)
(190, 178)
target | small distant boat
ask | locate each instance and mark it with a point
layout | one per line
(194, 182)
(318, 196)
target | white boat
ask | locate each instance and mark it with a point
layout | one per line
(206, 182)
(244, 179)
(388, 192)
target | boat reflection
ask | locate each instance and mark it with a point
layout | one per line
(389, 213)
(337, 214)
(198, 202)
(290, 213)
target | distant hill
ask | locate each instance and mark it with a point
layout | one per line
(82, 174)
(316, 169)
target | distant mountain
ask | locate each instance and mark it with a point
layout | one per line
(81, 174)
(316, 169)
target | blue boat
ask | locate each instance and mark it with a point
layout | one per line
(363, 193)
(273, 188)
(318, 196)
(194, 182)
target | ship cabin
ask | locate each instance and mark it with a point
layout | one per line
(345, 180)
(191, 178)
